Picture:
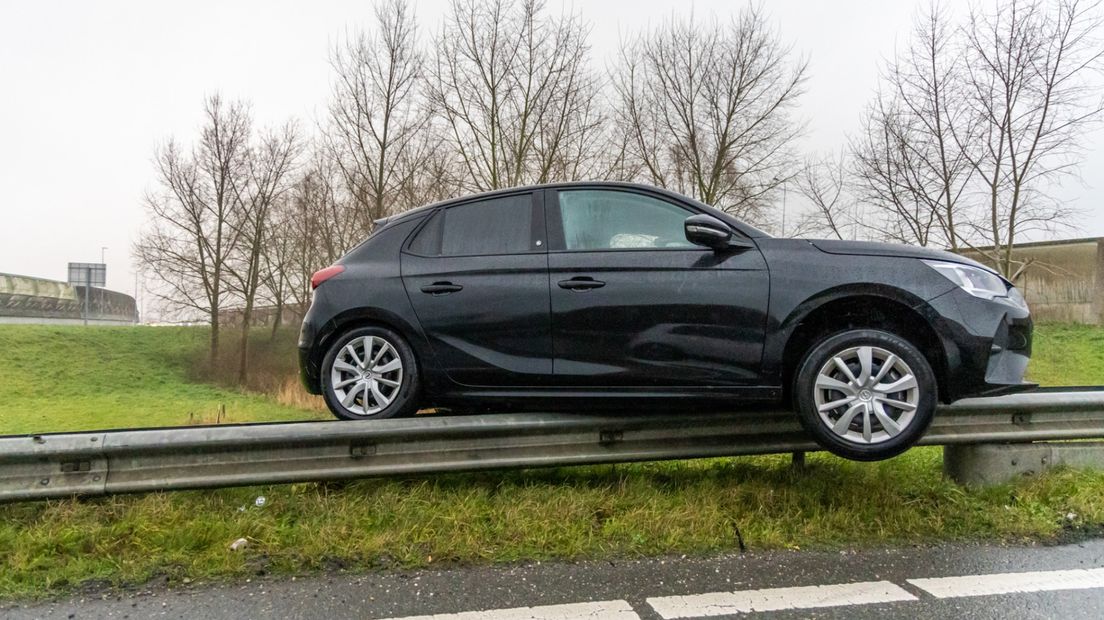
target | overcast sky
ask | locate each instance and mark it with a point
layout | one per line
(88, 89)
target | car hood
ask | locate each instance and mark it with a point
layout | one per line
(869, 248)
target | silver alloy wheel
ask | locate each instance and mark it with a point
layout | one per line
(866, 394)
(366, 376)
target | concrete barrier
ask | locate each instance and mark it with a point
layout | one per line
(989, 464)
(35, 300)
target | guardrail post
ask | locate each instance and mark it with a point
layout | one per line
(989, 464)
(797, 460)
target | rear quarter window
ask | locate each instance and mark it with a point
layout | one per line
(388, 235)
(496, 226)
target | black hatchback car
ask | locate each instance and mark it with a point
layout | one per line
(598, 296)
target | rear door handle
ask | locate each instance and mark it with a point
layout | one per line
(580, 283)
(441, 288)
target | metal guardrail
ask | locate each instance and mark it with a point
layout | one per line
(103, 462)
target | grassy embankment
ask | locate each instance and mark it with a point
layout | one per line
(54, 379)
(1067, 355)
(76, 378)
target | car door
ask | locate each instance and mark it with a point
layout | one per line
(477, 276)
(636, 304)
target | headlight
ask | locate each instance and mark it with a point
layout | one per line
(977, 282)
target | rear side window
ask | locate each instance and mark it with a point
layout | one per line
(495, 226)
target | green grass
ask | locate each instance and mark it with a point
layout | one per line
(102, 377)
(1067, 355)
(84, 378)
(587, 512)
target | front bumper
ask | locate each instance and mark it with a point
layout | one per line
(987, 345)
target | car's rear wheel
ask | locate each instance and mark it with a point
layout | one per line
(865, 394)
(370, 373)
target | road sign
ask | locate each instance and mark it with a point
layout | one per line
(88, 274)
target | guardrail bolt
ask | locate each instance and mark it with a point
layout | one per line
(606, 438)
(44, 481)
(1021, 418)
(359, 452)
(76, 466)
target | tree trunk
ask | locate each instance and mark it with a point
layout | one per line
(278, 319)
(214, 352)
(243, 350)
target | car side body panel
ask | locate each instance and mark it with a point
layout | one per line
(494, 331)
(804, 278)
(370, 290)
(671, 318)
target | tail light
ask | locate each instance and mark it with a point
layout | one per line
(325, 274)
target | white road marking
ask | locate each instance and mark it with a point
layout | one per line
(803, 597)
(602, 610)
(776, 599)
(1007, 583)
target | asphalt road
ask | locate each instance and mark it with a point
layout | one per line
(996, 582)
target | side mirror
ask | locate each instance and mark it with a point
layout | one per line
(710, 232)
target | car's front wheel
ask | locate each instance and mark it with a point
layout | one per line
(370, 373)
(865, 394)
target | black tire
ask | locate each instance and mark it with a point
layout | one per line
(365, 405)
(857, 440)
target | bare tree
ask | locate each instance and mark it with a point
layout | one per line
(995, 108)
(910, 159)
(1028, 82)
(709, 109)
(885, 169)
(191, 237)
(438, 177)
(377, 116)
(317, 224)
(573, 138)
(329, 226)
(513, 91)
(277, 256)
(824, 183)
(268, 166)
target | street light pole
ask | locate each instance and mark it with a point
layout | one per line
(103, 263)
(776, 182)
(783, 208)
(87, 290)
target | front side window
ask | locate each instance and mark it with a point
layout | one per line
(494, 226)
(612, 220)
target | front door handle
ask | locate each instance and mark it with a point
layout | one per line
(580, 283)
(441, 288)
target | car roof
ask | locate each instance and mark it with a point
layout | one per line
(745, 228)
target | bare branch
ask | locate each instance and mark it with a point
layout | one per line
(708, 108)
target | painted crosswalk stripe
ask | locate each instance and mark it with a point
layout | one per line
(601, 610)
(1007, 583)
(776, 599)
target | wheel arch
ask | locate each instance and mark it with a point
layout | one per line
(887, 308)
(355, 318)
